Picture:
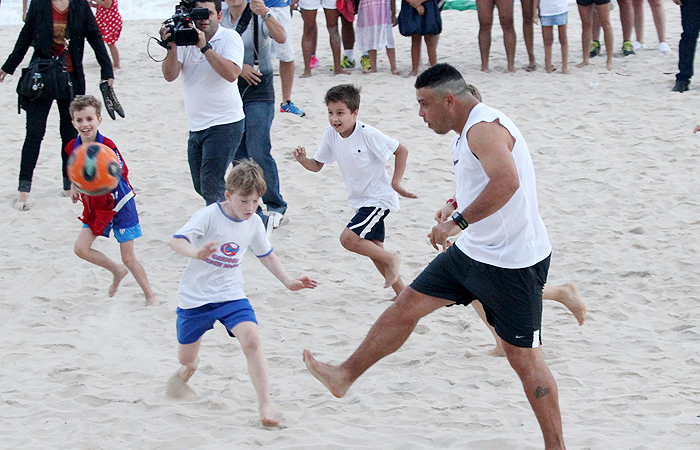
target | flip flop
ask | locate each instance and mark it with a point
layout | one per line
(111, 102)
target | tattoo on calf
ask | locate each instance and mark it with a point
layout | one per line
(541, 392)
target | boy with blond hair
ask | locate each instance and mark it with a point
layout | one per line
(362, 152)
(103, 213)
(216, 239)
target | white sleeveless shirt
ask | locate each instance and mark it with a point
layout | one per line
(514, 237)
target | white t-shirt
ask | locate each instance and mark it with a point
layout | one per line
(513, 237)
(219, 278)
(209, 99)
(362, 159)
(553, 7)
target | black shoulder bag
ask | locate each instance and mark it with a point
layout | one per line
(46, 78)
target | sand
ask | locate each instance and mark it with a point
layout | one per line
(616, 163)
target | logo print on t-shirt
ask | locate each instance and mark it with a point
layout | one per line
(229, 249)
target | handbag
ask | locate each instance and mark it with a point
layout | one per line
(46, 78)
(411, 23)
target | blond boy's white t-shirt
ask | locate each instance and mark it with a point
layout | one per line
(362, 158)
(219, 278)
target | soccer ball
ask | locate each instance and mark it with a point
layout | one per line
(94, 169)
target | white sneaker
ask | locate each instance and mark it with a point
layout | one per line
(664, 48)
(636, 45)
(277, 219)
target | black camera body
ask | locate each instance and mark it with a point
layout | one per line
(180, 31)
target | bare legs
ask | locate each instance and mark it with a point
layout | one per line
(83, 248)
(287, 79)
(334, 38)
(387, 263)
(484, 9)
(431, 43)
(586, 13)
(115, 55)
(528, 8)
(548, 38)
(249, 338)
(657, 12)
(394, 327)
(309, 39)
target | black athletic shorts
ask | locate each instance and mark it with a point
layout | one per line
(590, 2)
(512, 298)
(368, 223)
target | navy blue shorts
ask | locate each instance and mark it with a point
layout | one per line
(193, 323)
(368, 223)
(512, 298)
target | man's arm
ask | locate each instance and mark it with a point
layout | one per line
(171, 66)
(492, 144)
(276, 30)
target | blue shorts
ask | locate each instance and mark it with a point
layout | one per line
(122, 234)
(193, 323)
(368, 223)
(512, 298)
(550, 21)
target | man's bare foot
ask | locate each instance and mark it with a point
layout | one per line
(608, 65)
(370, 70)
(122, 271)
(570, 297)
(331, 376)
(510, 69)
(565, 70)
(267, 416)
(530, 67)
(396, 71)
(340, 71)
(176, 388)
(550, 69)
(582, 64)
(485, 69)
(152, 300)
(391, 270)
(413, 73)
(306, 74)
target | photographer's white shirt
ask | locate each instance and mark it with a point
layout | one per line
(209, 99)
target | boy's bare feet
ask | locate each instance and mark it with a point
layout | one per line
(152, 300)
(176, 388)
(370, 70)
(413, 73)
(122, 271)
(550, 69)
(565, 71)
(331, 376)
(340, 71)
(485, 69)
(608, 65)
(267, 416)
(396, 71)
(582, 64)
(510, 69)
(530, 67)
(392, 273)
(306, 74)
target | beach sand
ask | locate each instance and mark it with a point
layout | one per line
(616, 163)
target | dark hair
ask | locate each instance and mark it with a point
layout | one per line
(217, 4)
(345, 93)
(80, 102)
(442, 76)
(246, 178)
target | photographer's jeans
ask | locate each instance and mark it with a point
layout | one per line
(256, 145)
(209, 153)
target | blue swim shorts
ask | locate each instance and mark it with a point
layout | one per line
(550, 21)
(193, 323)
(122, 234)
(368, 223)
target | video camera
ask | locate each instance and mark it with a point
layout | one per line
(180, 31)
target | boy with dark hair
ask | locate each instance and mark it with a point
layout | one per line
(361, 152)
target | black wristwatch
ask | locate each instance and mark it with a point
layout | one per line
(206, 47)
(459, 220)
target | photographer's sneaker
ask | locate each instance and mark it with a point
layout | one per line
(290, 107)
(277, 219)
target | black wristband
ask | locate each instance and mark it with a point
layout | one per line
(206, 47)
(459, 220)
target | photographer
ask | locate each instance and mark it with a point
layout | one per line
(258, 93)
(213, 105)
